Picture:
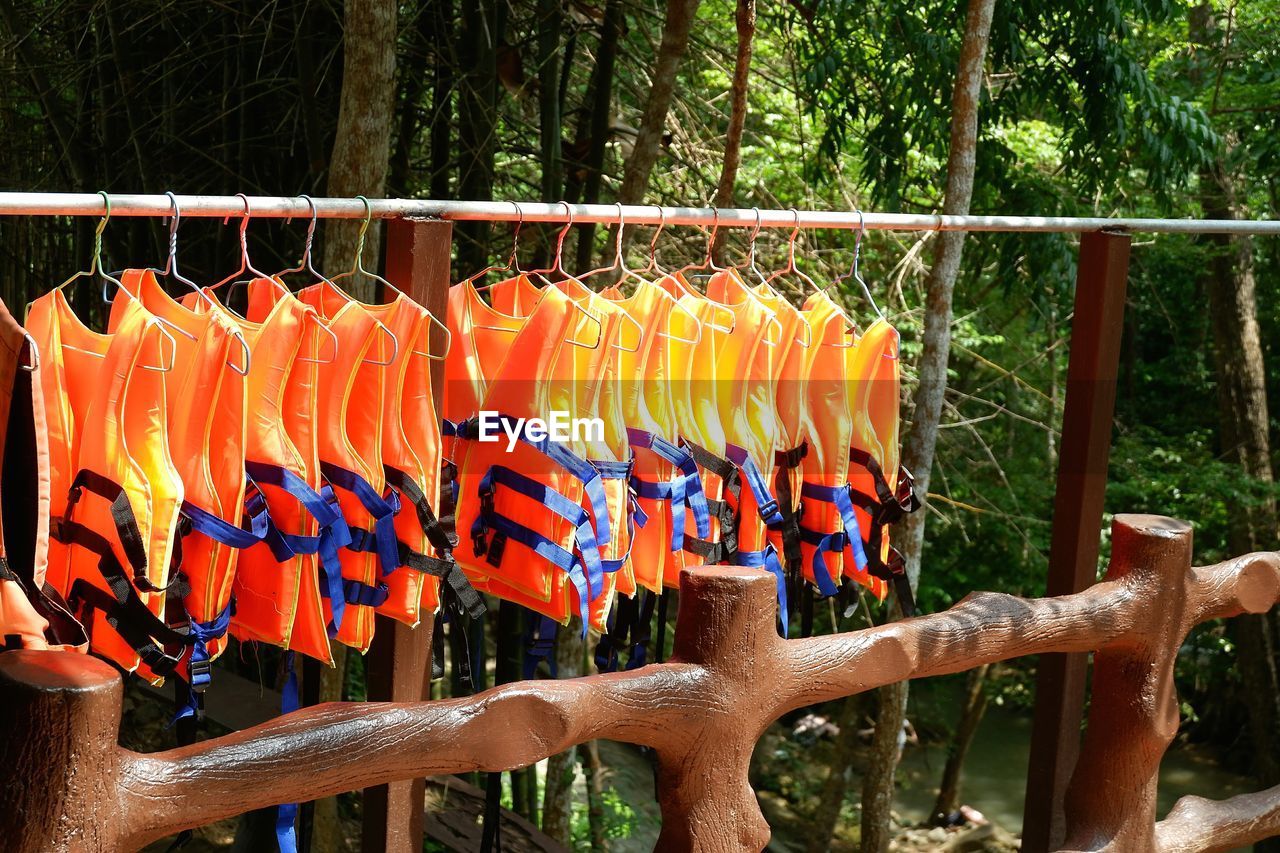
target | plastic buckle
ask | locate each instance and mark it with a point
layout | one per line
(479, 544)
(200, 675)
(496, 547)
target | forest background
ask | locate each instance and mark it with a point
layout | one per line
(1113, 107)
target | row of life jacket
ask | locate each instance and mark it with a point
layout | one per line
(734, 428)
(273, 477)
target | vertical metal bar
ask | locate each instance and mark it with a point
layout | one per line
(398, 666)
(1077, 518)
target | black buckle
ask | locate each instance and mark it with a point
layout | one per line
(479, 545)
(496, 547)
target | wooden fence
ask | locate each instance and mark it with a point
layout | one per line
(71, 787)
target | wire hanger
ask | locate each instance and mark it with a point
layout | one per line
(640, 277)
(854, 272)
(557, 267)
(358, 267)
(355, 267)
(97, 269)
(764, 282)
(305, 265)
(513, 261)
(619, 263)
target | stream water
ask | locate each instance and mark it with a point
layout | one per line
(995, 773)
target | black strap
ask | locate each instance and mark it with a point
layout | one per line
(663, 598)
(718, 465)
(6, 573)
(122, 516)
(442, 540)
(806, 610)
(791, 458)
(886, 508)
(437, 649)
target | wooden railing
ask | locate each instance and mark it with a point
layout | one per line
(70, 787)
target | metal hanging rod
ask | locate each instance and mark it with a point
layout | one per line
(91, 204)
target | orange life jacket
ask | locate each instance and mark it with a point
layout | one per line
(205, 400)
(596, 393)
(349, 432)
(665, 477)
(790, 362)
(277, 588)
(412, 462)
(531, 540)
(853, 410)
(874, 450)
(32, 613)
(106, 397)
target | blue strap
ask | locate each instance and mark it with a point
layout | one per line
(768, 559)
(286, 813)
(333, 534)
(688, 490)
(539, 644)
(839, 495)
(382, 508)
(766, 503)
(221, 531)
(557, 503)
(826, 543)
(199, 664)
(355, 592)
(566, 561)
(564, 457)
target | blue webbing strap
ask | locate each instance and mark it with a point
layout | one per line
(766, 503)
(199, 664)
(768, 559)
(686, 489)
(287, 813)
(382, 508)
(564, 457)
(849, 537)
(333, 533)
(539, 644)
(572, 564)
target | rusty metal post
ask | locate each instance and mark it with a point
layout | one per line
(1096, 329)
(399, 661)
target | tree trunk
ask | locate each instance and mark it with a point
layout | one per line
(971, 713)
(549, 24)
(1228, 278)
(922, 438)
(653, 122)
(483, 22)
(562, 768)
(835, 786)
(594, 772)
(441, 119)
(362, 145)
(745, 19)
(597, 126)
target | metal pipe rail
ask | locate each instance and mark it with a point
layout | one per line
(91, 204)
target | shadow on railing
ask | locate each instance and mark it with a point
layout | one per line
(72, 787)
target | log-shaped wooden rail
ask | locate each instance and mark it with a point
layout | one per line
(70, 786)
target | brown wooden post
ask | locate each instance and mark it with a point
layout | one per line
(1096, 329)
(398, 667)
